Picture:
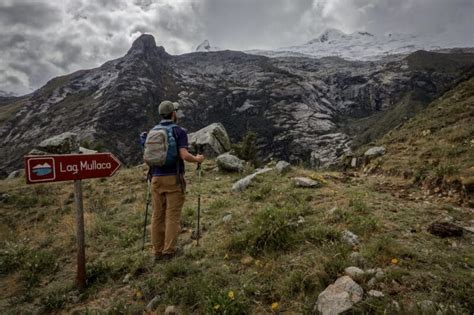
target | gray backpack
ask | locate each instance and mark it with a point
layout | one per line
(160, 146)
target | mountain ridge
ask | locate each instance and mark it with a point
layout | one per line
(295, 105)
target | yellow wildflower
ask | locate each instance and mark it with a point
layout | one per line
(394, 261)
(231, 295)
(217, 306)
(275, 306)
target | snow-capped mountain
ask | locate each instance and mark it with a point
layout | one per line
(205, 47)
(363, 45)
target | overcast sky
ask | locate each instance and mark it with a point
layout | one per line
(45, 38)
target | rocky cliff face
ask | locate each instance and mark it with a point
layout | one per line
(296, 105)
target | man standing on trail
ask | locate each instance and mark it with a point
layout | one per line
(168, 186)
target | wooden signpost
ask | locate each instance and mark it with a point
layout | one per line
(76, 167)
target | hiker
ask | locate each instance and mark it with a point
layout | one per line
(168, 185)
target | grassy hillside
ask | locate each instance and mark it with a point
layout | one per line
(281, 247)
(438, 144)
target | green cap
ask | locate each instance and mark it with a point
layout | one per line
(167, 107)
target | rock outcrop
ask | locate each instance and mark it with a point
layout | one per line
(212, 140)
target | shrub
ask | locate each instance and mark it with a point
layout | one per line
(247, 148)
(272, 229)
(54, 300)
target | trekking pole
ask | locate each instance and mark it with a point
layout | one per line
(199, 170)
(148, 199)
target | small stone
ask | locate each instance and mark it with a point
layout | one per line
(247, 260)
(127, 278)
(353, 272)
(375, 151)
(306, 182)
(350, 238)
(16, 174)
(469, 229)
(353, 162)
(375, 293)
(332, 210)
(227, 218)
(283, 167)
(426, 306)
(371, 283)
(151, 306)
(171, 310)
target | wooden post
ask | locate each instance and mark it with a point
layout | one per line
(81, 253)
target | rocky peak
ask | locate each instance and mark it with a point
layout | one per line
(145, 44)
(206, 46)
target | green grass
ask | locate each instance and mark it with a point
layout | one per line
(281, 245)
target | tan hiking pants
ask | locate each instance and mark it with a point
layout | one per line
(168, 200)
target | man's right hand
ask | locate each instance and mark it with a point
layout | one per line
(200, 158)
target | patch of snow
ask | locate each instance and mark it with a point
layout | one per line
(364, 46)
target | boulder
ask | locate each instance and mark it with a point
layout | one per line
(61, 144)
(283, 167)
(229, 163)
(211, 140)
(16, 174)
(374, 152)
(339, 296)
(243, 183)
(306, 182)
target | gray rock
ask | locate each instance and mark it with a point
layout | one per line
(227, 218)
(306, 182)
(371, 283)
(354, 162)
(353, 272)
(127, 278)
(87, 151)
(283, 167)
(469, 229)
(151, 306)
(229, 163)
(426, 306)
(16, 174)
(339, 296)
(329, 149)
(350, 238)
(243, 183)
(375, 293)
(172, 310)
(37, 152)
(61, 144)
(374, 152)
(213, 139)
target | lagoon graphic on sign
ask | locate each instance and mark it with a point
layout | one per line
(42, 169)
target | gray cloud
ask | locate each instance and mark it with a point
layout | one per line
(40, 39)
